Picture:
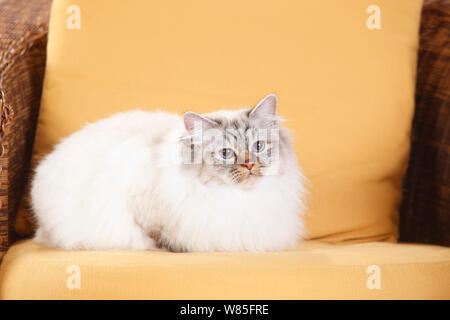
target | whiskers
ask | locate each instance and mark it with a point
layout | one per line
(238, 175)
(267, 170)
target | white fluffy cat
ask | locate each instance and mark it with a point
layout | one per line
(150, 180)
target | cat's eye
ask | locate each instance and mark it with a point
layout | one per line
(258, 146)
(226, 153)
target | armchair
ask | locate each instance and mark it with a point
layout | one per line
(424, 212)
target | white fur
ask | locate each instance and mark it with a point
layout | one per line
(106, 187)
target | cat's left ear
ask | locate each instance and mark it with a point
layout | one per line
(194, 120)
(266, 108)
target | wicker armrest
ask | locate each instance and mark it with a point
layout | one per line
(425, 212)
(23, 39)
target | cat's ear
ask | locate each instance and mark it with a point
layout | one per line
(194, 120)
(264, 114)
(266, 108)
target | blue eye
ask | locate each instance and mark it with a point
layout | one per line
(226, 153)
(258, 146)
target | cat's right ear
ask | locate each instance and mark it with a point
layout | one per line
(194, 121)
(267, 107)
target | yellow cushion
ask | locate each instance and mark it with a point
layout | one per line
(315, 270)
(346, 90)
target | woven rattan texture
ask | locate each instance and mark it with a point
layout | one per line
(425, 211)
(23, 37)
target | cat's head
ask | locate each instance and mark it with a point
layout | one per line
(235, 147)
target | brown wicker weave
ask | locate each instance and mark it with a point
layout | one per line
(424, 215)
(23, 38)
(425, 211)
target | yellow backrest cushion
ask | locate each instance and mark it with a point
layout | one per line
(346, 90)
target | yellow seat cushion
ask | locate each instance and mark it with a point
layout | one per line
(346, 90)
(314, 270)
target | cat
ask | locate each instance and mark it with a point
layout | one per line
(221, 181)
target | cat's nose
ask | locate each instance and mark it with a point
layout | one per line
(249, 166)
